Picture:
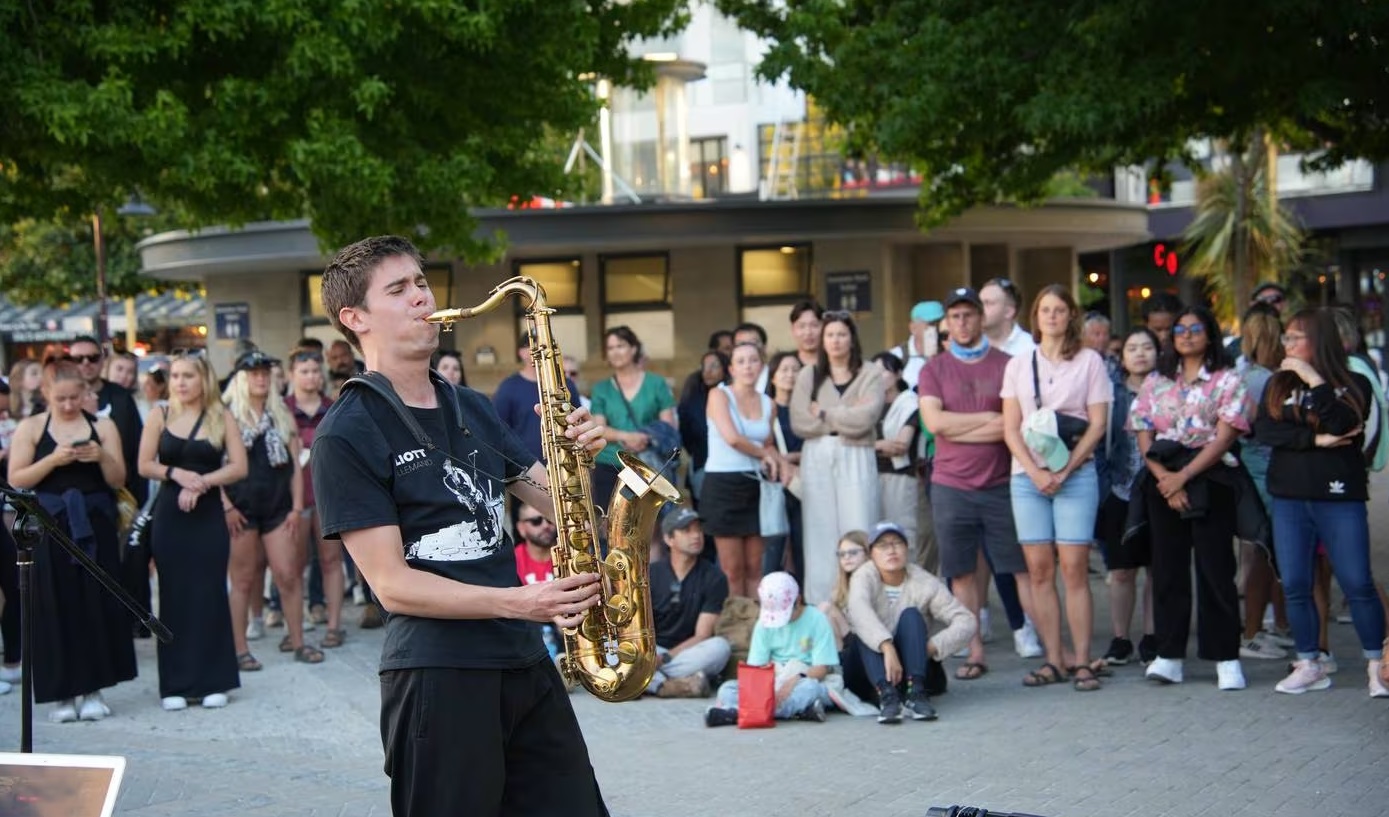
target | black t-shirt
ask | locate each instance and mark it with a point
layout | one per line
(370, 471)
(676, 605)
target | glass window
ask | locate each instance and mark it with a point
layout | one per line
(780, 273)
(561, 277)
(440, 281)
(709, 166)
(630, 280)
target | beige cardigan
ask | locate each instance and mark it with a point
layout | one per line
(853, 415)
(874, 619)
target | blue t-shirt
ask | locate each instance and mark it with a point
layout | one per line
(515, 400)
(808, 638)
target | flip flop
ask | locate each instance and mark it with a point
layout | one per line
(1045, 675)
(970, 671)
(246, 662)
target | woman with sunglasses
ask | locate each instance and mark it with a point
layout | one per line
(1188, 416)
(1314, 415)
(81, 634)
(308, 403)
(194, 449)
(835, 409)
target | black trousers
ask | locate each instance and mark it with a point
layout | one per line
(9, 584)
(1174, 540)
(485, 742)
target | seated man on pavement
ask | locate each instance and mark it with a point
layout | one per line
(799, 642)
(890, 601)
(687, 595)
(534, 564)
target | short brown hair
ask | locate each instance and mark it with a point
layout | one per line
(348, 276)
(1071, 344)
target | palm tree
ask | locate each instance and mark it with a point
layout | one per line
(1241, 235)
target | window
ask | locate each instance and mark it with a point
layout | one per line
(561, 277)
(635, 281)
(709, 166)
(770, 280)
(440, 282)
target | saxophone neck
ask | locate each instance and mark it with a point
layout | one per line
(527, 289)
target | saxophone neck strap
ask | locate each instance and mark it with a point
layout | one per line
(381, 385)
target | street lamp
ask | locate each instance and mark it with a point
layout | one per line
(136, 206)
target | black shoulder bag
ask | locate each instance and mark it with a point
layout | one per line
(1069, 429)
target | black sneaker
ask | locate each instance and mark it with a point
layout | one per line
(889, 706)
(1120, 652)
(717, 716)
(814, 712)
(1147, 648)
(918, 704)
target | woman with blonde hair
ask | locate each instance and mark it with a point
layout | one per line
(26, 400)
(264, 510)
(81, 634)
(193, 447)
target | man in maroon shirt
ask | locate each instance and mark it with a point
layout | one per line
(972, 509)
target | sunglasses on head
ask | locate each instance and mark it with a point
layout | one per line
(1272, 300)
(187, 352)
(1002, 283)
(300, 357)
(837, 315)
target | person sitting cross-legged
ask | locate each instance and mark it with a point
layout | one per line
(687, 595)
(799, 642)
(890, 601)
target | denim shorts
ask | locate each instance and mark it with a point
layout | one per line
(1068, 518)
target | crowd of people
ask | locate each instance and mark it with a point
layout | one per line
(862, 507)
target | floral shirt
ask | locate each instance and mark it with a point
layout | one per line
(1189, 414)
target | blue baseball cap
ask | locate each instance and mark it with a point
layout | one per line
(928, 311)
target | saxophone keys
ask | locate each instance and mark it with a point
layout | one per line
(627, 652)
(619, 610)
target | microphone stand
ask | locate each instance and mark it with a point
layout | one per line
(33, 525)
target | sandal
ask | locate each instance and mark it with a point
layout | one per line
(308, 655)
(970, 671)
(1082, 683)
(248, 663)
(286, 644)
(1045, 675)
(1101, 668)
(334, 638)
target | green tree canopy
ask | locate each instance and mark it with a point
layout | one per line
(990, 99)
(367, 116)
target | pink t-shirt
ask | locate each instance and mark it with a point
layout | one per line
(967, 388)
(1068, 387)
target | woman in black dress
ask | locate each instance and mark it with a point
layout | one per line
(193, 448)
(81, 638)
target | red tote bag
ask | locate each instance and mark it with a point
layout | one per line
(756, 696)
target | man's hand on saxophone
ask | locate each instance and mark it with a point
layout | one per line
(562, 601)
(580, 425)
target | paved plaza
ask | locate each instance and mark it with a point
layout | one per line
(302, 741)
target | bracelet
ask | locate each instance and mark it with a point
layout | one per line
(169, 474)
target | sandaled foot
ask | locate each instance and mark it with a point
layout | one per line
(1083, 679)
(1101, 668)
(334, 638)
(248, 663)
(286, 644)
(308, 655)
(1045, 675)
(970, 671)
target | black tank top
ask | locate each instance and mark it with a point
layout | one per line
(83, 476)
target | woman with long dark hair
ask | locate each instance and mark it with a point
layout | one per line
(835, 408)
(630, 405)
(1313, 415)
(690, 411)
(1188, 416)
(781, 382)
(1055, 408)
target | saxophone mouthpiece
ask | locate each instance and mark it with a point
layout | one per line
(447, 317)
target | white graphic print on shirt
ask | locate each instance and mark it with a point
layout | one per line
(476, 538)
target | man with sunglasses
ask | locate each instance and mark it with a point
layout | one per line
(687, 596)
(118, 403)
(1002, 300)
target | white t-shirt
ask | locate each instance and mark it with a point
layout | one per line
(1019, 342)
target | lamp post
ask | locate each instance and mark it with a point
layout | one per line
(136, 206)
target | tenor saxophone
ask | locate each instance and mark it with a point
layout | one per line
(612, 652)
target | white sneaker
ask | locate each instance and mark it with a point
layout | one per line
(986, 626)
(64, 712)
(1328, 663)
(1276, 638)
(9, 674)
(5, 687)
(94, 707)
(1377, 687)
(1257, 648)
(173, 703)
(1025, 641)
(1165, 670)
(359, 595)
(1306, 675)
(216, 700)
(255, 630)
(1229, 675)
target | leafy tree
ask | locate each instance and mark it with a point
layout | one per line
(367, 116)
(990, 99)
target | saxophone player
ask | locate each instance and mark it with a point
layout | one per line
(473, 712)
